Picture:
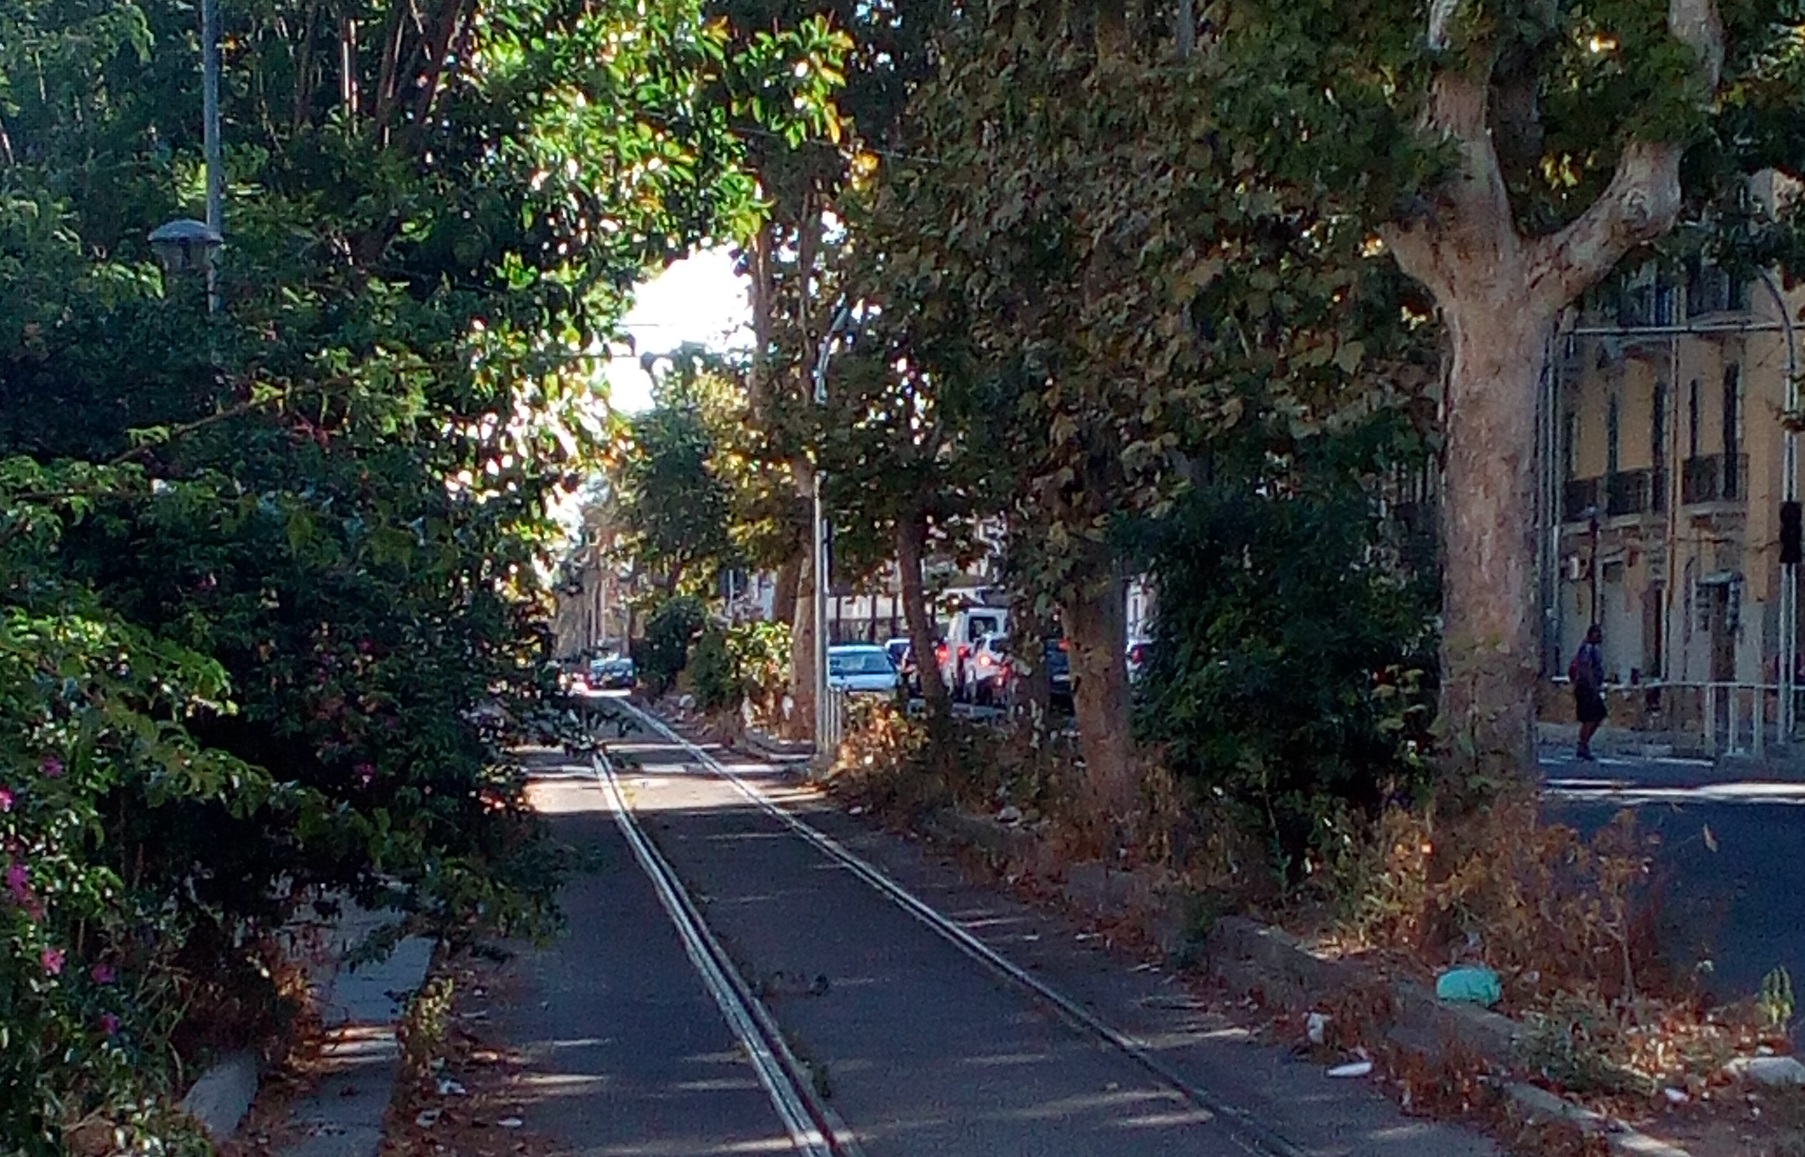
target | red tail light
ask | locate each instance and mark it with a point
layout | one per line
(1063, 645)
(964, 650)
(984, 660)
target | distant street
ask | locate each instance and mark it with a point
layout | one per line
(1742, 905)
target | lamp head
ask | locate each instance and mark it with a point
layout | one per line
(184, 245)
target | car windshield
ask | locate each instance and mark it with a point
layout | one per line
(859, 663)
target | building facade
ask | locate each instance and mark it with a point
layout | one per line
(1667, 446)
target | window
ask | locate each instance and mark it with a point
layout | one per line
(1692, 416)
(1657, 428)
(1732, 410)
(1613, 429)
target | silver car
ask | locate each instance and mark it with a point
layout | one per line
(861, 668)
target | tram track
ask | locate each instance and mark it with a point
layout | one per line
(814, 1129)
(1246, 1133)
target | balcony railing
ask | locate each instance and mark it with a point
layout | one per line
(1627, 492)
(1711, 289)
(1614, 495)
(1579, 498)
(1715, 478)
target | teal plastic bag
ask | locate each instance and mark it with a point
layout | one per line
(1470, 985)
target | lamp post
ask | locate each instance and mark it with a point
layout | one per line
(182, 244)
(842, 318)
(1789, 493)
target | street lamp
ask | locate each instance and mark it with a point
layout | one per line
(840, 325)
(1789, 494)
(181, 245)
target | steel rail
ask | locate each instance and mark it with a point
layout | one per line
(815, 1131)
(1243, 1128)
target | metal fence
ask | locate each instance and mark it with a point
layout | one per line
(833, 725)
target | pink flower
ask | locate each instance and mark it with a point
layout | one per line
(18, 882)
(109, 1024)
(52, 767)
(6, 799)
(52, 959)
(103, 973)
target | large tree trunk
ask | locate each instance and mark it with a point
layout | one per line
(1491, 651)
(1096, 628)
(1498, 292)
(783, 592)
(1031, 694)
(911, 544)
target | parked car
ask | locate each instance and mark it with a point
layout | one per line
(616, 674)
(1140, 652)
(987, 673)
(897, 649)
(998, 672)
(967, 628)
(861, 668)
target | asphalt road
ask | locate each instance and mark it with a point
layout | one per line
(1730, 866)
(625, 1052)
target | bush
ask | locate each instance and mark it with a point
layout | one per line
(713, 672)
(1293, 678)
(664, 652)
(748, 661)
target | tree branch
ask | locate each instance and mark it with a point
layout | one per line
(1471, 218)
(1643, 199)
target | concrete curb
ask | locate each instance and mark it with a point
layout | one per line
(222, 1097)
(1251, 957)
(777, 750)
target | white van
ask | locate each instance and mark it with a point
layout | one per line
(968, 625)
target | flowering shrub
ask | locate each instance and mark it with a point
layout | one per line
(89, 709)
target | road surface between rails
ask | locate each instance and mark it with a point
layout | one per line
(912, 1045)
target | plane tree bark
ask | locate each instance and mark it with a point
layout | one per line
(1499, 290)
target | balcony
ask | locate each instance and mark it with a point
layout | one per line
(1715, 478)
(1579, 498)
(1711, 289)
(1628, 492)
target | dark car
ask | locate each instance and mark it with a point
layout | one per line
(1140, 653)
(613, 675)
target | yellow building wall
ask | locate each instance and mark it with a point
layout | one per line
(1649, 593)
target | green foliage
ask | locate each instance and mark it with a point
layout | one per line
(746, 661)
(1775, 999)
(273, 574)
(1292, 677)
(672, 507)
(712, 671)
(670, 630)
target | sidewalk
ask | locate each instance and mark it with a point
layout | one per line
(1669, 755)
(343, 1115)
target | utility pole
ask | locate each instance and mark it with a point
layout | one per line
(822, 357)
(210, 136)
